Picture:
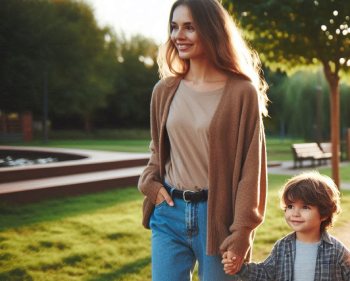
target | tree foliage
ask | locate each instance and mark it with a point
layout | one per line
(294, 33)
(92, 74)
(134, 78)
(58, 41)
(299, 105)
(290, 34)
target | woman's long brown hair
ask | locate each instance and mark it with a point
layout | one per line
(223, 42)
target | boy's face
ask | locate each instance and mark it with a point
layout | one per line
(305, 220)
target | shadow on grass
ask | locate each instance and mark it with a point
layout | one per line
(133, 267)
(50, 210)
(17, 274)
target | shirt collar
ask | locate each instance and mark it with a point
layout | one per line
(325, 237)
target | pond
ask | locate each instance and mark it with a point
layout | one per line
(18, 158)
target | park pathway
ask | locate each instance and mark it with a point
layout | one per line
(286, 168)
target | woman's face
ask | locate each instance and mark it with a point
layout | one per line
(184, 34)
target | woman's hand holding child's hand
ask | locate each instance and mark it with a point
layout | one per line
(232, 263)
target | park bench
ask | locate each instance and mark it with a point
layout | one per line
(327, 148)
(309, 151)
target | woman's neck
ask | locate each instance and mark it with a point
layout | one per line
(202, 71)
(202, 75)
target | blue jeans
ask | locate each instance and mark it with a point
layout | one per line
(179, 240)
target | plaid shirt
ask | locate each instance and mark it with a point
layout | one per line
(332, 263)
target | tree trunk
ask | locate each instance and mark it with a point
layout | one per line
(333, 82)
(87, 124)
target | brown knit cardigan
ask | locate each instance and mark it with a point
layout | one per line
(237, 164)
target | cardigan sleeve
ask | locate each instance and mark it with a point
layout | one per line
(150, 180)
(250, 200)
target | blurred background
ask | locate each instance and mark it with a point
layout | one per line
(87, 68)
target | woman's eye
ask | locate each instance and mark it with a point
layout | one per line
(173, 27)
(190, 28)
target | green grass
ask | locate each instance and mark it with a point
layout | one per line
(280, 149)
(93, 237)
(107, 145)
(99, 134)
(99, 237)
(277, 149)
(344, 172)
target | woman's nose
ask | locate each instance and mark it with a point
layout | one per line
(179, 34)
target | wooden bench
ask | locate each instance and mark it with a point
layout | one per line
(327, 148)
(309, 151)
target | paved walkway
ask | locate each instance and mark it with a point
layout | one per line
(286, 168)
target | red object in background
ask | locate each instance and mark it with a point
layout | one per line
(27, 126)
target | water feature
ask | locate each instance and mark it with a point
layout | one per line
(20, 158)
(10, 161)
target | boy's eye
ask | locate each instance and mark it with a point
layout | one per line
(289, 206)
(306, 207)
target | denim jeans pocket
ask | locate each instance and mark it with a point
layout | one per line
(161, 204)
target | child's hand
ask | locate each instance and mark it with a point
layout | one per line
(232, 263)
(229, 263)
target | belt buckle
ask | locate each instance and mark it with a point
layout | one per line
(184, 195)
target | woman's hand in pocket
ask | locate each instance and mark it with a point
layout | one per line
(164, 195)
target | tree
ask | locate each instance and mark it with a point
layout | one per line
(19, 55)
(134, 79)
(57, 44)
(301, 95)
(82, 73)
(290, 34)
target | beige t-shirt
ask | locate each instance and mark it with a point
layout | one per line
(187, 125)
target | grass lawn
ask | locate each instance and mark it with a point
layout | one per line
(280, 149)
(107, 145)
(99, 237)
(93, 238)
(277, 149)
(344, 171)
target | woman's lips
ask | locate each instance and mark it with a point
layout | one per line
(183, 47)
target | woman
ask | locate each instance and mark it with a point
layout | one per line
(205, 183)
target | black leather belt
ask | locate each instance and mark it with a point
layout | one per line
(190, 196)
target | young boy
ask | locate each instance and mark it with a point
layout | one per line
(311, 202)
